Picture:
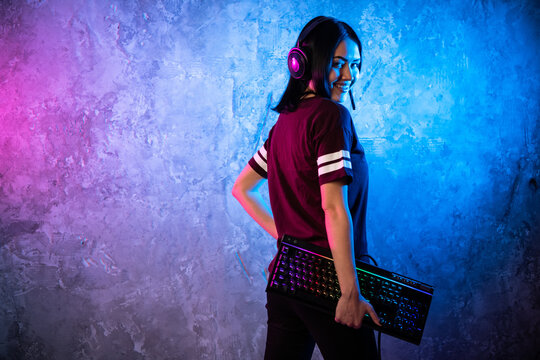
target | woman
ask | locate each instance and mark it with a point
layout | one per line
(317, 181)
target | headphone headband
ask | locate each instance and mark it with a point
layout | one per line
(306, 31)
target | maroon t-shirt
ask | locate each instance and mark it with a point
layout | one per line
(311, 146)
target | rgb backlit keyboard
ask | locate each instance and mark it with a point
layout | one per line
(305, 272)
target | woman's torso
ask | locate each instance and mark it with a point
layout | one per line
(315, 144)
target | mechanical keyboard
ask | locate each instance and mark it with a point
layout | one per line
(306, 272)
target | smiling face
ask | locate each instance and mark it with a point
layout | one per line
(344, 70)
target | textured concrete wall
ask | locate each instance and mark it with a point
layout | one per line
(124, 123)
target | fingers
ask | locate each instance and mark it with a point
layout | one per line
(353, 317)
(356, 322)
(350, 319)
(373, 315)
(351, 323)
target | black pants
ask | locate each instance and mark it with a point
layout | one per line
(293, 330)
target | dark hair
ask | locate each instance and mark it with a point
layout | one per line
(319, 45)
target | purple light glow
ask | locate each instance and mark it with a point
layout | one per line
(295, 65)
(123, 127)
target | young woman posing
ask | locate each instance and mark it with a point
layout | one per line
(318, 183)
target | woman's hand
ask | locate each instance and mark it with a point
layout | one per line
(351, 310)
(351, 307)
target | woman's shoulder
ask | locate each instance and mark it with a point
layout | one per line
(328, 116)
(328, 106)
(327, 112)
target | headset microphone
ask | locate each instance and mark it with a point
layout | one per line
(352, 99)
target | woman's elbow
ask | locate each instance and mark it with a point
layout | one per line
(238, 191)
(235, 190)
(247, 182)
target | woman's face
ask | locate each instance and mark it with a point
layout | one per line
(345, 69)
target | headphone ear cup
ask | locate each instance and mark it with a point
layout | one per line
(298, 64)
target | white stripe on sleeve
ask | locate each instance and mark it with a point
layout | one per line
(335, 166)
(262, 150)
(333, 156)
(260, 161)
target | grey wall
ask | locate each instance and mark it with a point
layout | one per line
(123, 125)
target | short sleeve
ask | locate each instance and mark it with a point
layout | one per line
(333, 141)
(259, 161)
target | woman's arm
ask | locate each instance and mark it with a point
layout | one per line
(246, 191)
(351, 306)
